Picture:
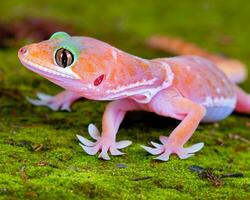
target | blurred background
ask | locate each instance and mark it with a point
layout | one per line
(216, 25)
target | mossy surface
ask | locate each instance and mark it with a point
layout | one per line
(39, 154)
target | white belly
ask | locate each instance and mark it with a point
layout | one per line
(215, 114)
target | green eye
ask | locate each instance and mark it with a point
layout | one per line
(64, 57)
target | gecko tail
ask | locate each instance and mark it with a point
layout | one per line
(234, 69)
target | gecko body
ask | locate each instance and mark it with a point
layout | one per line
(187, 88)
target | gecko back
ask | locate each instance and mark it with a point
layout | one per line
(203, 82)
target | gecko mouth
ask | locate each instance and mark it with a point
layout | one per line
(47, 72)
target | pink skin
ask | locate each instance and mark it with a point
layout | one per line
(185, 88)
(243, 101)
(234, 69)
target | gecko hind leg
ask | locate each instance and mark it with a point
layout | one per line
(190, 113)
(61, 101)
(243, 101)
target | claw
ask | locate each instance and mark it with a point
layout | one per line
(122, 144)
(85, 141)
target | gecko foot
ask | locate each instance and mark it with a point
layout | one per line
(53, 102)
(103, 144)
(165, 149)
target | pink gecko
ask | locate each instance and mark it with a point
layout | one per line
(188, 88)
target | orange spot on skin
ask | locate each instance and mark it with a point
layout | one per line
(43, 54)
(88, 65)
(113, 75)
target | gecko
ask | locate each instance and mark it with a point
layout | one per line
(188, 88)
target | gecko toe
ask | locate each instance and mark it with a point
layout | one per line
(90, 150)
(66, 107)
(115, 152)
(184, 155)
(93, 131)
(153, 151)
(43, 96)
(104, 156)
(53, 107)
(157, 145)
(53, 102)
(163, 157)
(194, 148)
(123, 144)
(85, 141)
(35, 102)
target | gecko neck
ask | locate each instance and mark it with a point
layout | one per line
(162, 78)
(161, 69)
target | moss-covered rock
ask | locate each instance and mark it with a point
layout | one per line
(39, 154)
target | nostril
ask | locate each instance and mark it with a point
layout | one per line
(23, 50)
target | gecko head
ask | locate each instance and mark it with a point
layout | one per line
(70, 62)
(87, 66)
(53, 59)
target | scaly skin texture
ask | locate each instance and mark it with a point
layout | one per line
(188, 88)
(233, 68)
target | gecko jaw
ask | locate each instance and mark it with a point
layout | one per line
(38, 67)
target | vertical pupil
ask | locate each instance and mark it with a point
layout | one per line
(64, 58)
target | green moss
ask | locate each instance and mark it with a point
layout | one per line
(39, 153)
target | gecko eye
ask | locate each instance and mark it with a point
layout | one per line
(64, 57)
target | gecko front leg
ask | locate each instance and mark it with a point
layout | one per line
(61, 101)
(106, 142)
(172, 105)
